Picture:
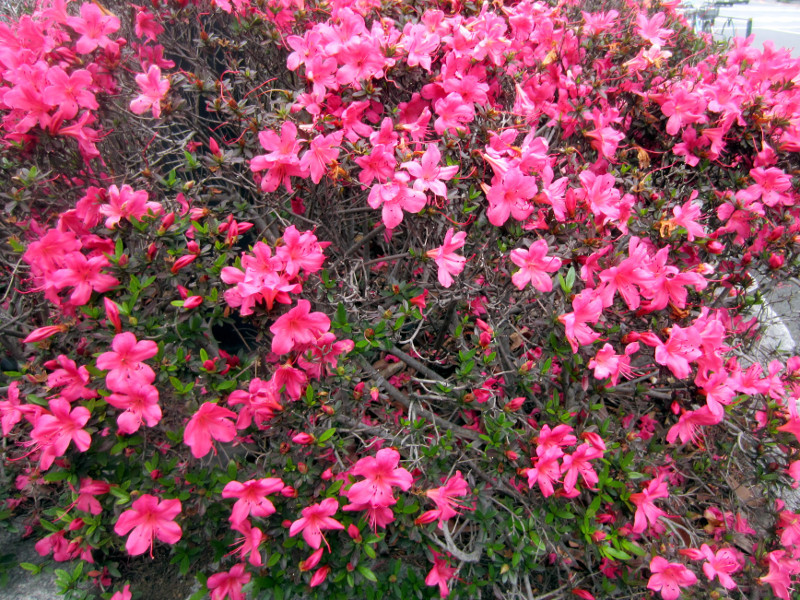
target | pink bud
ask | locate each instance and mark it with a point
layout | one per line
(514, 404)
(151, 252)
(193, 247)
(112, 314)
(312, 561)
(354, 533)
(320, 576)
(166, 222)
(511, 455)
(715, 247)
(37, 335)
(289, 492)
(776, 261)
(214, 147)
(184, 293)
(303, 439)
(192, 302)
(123, 260)
(327, 475)
(183, 261)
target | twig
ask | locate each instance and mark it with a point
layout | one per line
(415, 364)
(406, 402)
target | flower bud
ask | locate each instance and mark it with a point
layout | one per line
(303, 439)
(715, 247)
(320, 576)
(37, 335)
(193, 247)
(514, 404)
(112, 314)
(776, 261)
(354, 533)
(183, 261)
(192, 302)
(312, 561)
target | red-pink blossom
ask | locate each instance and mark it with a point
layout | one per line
(211, 421)
(668, 578)
(153, 89)
(298, 328)
(446, 259)
(316, 518)
(381, 473)
(440, 574)
(534, 265)
(228, 584)
(147, 519)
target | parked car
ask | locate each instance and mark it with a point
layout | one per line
(730, 2)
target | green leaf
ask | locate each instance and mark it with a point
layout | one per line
(367, 574)
(327, 435)
(570, 281)
(273, 560)
(35, 569)
(615, 554)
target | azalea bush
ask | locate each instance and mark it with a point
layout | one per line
(362, 299)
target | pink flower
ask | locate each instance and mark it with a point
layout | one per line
(446, 259)
(53, 431)
(124, 362)
(606, 363)
(124, 594)
(86, 495)
(211, 421)
(72, 378)
(440, 574)
(721, 564)
(535, 264)
(428, 174)
(510, 197)
(394, 197)
(668, 578)
(316, 518)
(68, 92)
(454, 113)
(587, 308)
(579, 463)
(154, 89)
(446, 498)
(689, 422)
(228, 584)
(298, 328)
(139, 401)
(323, 150)
(148, 519)
(252, 498)
(94, 28)
(10, 413)
(646, 510)
(84, 276)
(381, 473)
(125, 203)
(546, 471)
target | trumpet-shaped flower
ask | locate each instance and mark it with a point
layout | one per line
(211, 421)
(316, 518)
(228, 584)
(298, 329)
(646, 510)
(534, 265)
(153, 88)
(124, 361)
(252, 498)
(148, 519)
(381, 473)
(53, 431)
(446, 259)
(668, 578)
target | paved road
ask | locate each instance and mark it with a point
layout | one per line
(778, 22)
